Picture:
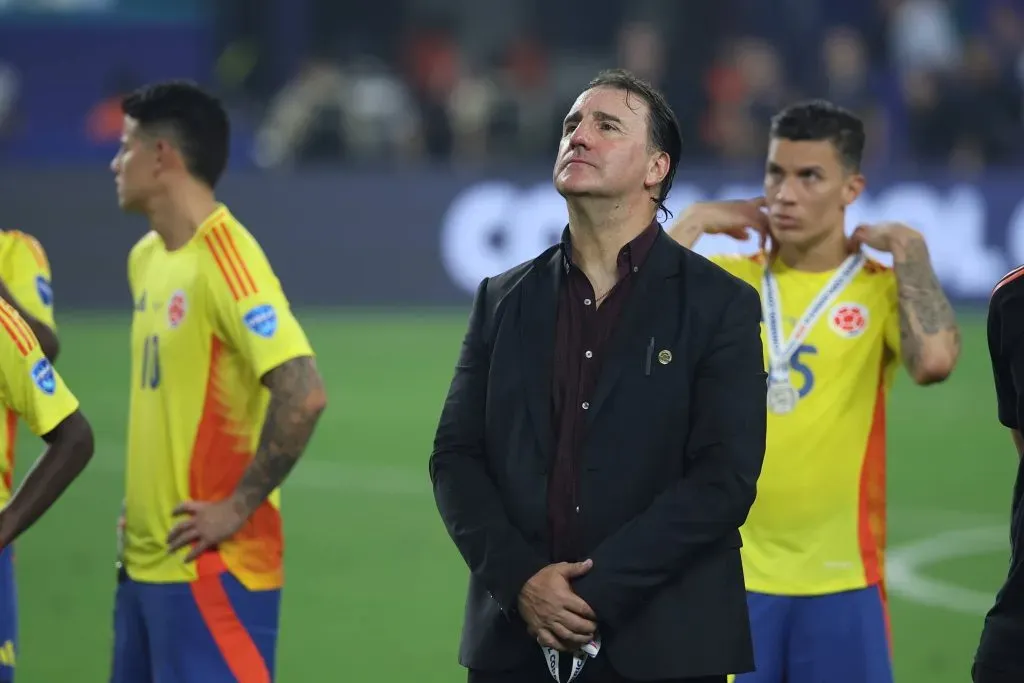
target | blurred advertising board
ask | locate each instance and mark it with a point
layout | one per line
(425, 237)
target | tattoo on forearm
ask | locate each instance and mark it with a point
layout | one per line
(924, 309)
(296, 400)
(910, 345)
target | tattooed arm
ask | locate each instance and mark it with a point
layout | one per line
(929, 336)
(297, 397)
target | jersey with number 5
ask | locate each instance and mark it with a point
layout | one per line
(818, 523)
(210, 320)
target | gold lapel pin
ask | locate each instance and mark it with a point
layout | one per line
(664, 356)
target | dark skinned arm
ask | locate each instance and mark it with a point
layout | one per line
(69, 447)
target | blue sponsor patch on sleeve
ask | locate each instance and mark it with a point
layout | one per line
(45, 290)
(262, 320)
(44, 377)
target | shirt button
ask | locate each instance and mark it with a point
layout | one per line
(586, 302)
(589, 354)
(586, 405)
(635, 269)
(577, 509)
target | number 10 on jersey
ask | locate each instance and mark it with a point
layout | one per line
(151, 362)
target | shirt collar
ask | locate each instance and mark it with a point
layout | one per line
(631, 256)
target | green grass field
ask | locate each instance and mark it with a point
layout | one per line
(375, 587)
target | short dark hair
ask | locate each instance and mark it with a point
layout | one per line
(195, 119)
(819, 120)
(662, 125)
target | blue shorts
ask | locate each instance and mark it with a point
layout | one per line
(212, 630)
(8, 616)
(839, 638)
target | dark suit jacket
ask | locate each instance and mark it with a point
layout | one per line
(661, 504)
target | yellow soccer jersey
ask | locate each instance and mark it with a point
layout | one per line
(818, 523)
(30, 387)
(210, 320)
(25, 270)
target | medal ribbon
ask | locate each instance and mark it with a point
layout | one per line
(780, 352)
(579, 658)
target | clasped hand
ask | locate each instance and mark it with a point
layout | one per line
(554, 614)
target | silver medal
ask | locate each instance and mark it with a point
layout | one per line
(782, 398)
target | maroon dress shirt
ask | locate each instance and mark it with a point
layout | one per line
(583, 326)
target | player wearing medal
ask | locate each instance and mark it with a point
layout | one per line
(837, 325)
(224, 397)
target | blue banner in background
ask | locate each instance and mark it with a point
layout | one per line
(66, 68)
(79, 10)
(426, 237)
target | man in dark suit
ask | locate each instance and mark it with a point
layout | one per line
(1000, 654)
(602, 437)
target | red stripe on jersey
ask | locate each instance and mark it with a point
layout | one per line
(16, 329)
(220, 266)
(231, 259)
(221, 453)
(871, 521)
(1009, 277)
(241, 261)
(26, 331)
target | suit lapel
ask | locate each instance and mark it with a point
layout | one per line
(539, 307)
(642, 305)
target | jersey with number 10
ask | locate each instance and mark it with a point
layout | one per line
(25, 271)
(817, 525)
(210, 320)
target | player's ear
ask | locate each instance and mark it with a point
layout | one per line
(160, 151)
(168, 156)
(852, 188)
(657, 169)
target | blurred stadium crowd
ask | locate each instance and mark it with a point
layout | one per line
(939, 81)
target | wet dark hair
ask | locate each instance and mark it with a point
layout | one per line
(662, 125)
(193, 118)
(819, 120)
